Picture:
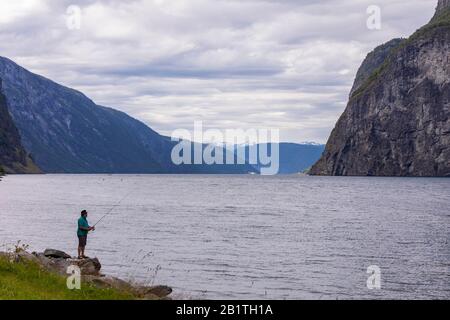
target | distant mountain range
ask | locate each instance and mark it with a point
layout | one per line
(294, 158)
(66, 132)
(297, 158)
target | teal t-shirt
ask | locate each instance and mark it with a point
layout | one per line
(82, 223)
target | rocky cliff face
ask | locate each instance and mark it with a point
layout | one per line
(442, 6)
(13, 157)
(373, 61)
(397, 122)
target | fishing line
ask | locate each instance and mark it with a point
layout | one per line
(115, 206)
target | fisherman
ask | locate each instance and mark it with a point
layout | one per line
(83, 230)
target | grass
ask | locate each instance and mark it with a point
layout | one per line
(439, 21)
(28, 281)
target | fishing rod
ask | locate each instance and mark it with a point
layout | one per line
(115, 206)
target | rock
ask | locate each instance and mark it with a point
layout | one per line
(42, 259)
(109, 283)
(373, 61)
(55, 261)
(159, 291)
(146, 293)
(150, 293)
(56, 254)
(88, 266)
(442, 5)
(397, 122)
(58, 265)
(24, 256)
(61, 265)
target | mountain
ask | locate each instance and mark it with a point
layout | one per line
(397, 122)
(294, 158)
(66, 132)
(13, 157)
(297, 158)
(373, 61)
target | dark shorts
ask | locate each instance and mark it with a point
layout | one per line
(82, 241)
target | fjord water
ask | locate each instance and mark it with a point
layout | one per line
(246, 237)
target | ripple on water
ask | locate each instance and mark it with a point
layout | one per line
(239, 237)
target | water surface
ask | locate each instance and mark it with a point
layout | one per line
(246, 237)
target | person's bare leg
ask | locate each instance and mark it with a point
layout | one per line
(82, 252)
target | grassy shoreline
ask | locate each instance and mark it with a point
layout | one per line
(26, 280)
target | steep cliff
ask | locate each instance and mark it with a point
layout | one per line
(397, 122)
(442, 6)
(373, 61)
(13, 157)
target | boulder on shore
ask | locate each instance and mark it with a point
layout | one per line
(87, 266)
(52, 253)
(159, 291)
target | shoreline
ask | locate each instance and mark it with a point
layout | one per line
(55, 270)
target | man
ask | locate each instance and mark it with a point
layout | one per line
(83, 230)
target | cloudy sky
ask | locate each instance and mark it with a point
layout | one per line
(286, 64)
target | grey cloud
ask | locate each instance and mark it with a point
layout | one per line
(227, 62)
